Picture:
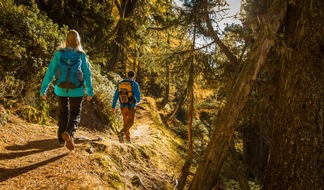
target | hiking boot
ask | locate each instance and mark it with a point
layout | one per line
(69, 143)
(120, 137)
(62, 143)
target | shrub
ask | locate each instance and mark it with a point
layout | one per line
(104, 92)
(27, 39)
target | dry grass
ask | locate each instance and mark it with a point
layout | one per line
(30, 157)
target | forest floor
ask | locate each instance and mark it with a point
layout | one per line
(31, 158)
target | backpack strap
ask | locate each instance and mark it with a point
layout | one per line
(79, 52)
(75, 50)
(62, 50)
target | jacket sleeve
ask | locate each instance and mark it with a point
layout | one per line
(137, 92)
(50, 73)
(115, 98)
(85, 67)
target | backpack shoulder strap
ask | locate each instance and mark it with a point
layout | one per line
(130, 81)
(125, 80)
(79, 52)
(62, 50)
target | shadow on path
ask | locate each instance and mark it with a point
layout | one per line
(10, 173)
(32, 147)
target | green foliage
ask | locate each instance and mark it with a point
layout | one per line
(44, 108)
(104, 91)
(254, 186)
(94, 20)
(22, 97)
(230, 184)
(30, 114)
(10, 87)
(27, 39)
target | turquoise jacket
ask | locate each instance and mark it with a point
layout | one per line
(77, 92)
(136, 94)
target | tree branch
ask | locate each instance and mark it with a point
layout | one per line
(213, 34)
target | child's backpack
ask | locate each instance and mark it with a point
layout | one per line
(125, 92)
(69, 74)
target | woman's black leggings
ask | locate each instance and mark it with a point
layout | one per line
(69, 115)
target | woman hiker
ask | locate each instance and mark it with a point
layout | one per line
(72, 70)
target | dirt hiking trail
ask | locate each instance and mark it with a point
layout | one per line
(31, 158)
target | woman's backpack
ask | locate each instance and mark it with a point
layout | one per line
(69, 74)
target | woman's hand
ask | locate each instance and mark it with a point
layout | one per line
(88, 98)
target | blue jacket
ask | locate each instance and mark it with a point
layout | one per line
(136, 94)
(77, 92)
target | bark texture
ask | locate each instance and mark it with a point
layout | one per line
(296, 146)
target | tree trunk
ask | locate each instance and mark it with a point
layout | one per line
(182, 98)
(138, 75)
(167, 86)
(167, 81)
(125, 9)
(208, 170)
(296, 146)
(212, 33)
(186, 168)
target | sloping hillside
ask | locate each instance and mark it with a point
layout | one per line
(31, 158)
